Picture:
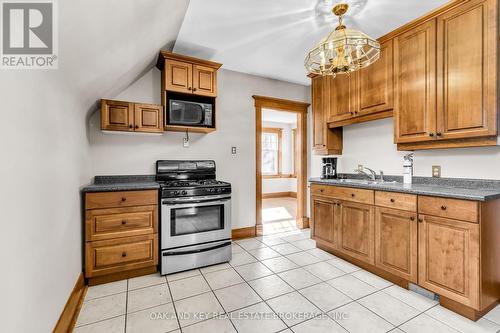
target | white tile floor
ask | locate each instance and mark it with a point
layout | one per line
(276, 283)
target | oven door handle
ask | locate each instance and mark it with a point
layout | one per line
(196, 203)
(178, 253)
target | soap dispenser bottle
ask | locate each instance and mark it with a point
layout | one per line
(408, 168)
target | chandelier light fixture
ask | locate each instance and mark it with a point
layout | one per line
(343, 50)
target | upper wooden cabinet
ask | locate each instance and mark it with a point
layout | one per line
(131, 117)
(188, 75)
(326, 141)
(364, 95)
(376, 85)
(446, 79)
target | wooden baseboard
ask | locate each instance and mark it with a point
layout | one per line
(122, 275)
(464, 310)
(243, 233)
(68, 317)
(302, 222)
(279, 195)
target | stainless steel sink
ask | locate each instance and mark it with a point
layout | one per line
(365, 181)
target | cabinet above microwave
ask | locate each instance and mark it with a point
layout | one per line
(192, 81)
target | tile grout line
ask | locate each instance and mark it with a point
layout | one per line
(173, 304)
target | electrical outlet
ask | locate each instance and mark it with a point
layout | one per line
(233, 150)
(185, 143)
(360, 167)
(436, 171)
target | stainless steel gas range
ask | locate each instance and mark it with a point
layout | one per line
(195, 227)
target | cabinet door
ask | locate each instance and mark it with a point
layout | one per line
(323, 219)
(320, 100)
(376, 89)
(343, 97)
(448, 256)
(415, 84)
(117, 115)
(148, 118)
(466, 70)
(396, 242)
(204, 81)
(178, 76)
(357, 231)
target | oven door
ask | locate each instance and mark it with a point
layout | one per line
(195, 220)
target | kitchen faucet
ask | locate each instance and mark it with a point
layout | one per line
(372, 175)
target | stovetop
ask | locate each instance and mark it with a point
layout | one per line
(192, 183)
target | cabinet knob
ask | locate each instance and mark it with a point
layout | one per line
(352, 195)
(189, 88)
(124, 222)
(130, 126)
(392, 200)
(136, 126)
(124, 199)
(420, 220)
(321, 190)
(124, 254)
(412, 218)
(194, 89)
(443, 207)
(438, 133)
(431, 134)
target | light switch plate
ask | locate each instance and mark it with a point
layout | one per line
(233, 150)
(436, 171)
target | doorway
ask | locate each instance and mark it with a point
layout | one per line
(281, 165)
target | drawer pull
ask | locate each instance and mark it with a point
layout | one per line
(412, 218)
(392, 200)
(124, 199)
(124, 254)
(443, 207)
(124, 222)
(352, 195)
(321, 190)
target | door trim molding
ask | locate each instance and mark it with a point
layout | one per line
(300, 108)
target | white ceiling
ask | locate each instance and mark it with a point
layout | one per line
(279, 116)
(271, 38)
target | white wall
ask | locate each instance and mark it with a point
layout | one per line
(136, 154)
(372, 144)
(45, 148)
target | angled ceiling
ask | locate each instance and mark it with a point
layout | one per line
(271, 38)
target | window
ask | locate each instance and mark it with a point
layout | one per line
(295, 155)
(271, 151)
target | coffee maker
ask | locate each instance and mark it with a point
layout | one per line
(329, 168)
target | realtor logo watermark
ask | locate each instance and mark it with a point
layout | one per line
(29, 34)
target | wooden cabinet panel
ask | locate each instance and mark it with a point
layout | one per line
(415, 84)
(376, 88)
(120, 222)
(121, 199)
(179, 76)
(449, 258)
(118, 255)
(326, 141)
(117, 115)
(323, 219)
(396, 242)
(343, 103)
(466, 70)
(204, 80)
(396, 200)
(464, 210)
(357, 231)
(344, 193)
(148, 118)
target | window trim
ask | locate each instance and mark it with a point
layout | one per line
(279, 132)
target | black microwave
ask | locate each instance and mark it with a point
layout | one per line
(186, 113)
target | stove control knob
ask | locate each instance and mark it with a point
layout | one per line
(184, 192)
(219, 190)
(176, 192)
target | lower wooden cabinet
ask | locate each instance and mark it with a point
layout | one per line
(357, 231)
(449, 258)
(396, 242)
(325, 212)
(121, 234)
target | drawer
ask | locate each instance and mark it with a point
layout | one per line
(344, 193)
(120, 199)
(396, 200)
(118, 255)
(120, 222)
(464, 210)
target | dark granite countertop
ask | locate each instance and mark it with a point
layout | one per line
(467, 189)
(121, 183)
